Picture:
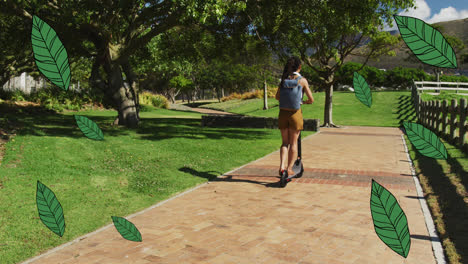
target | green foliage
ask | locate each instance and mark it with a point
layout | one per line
(89, 128)
(390, 222)
(52, 98)
(428, 44)
(362, 90)
(400, 77)
(425, 141)
(374, 76)
(50, 54)
(126, 229)
(50, 210)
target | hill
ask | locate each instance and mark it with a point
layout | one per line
(458, 28)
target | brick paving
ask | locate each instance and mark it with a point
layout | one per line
(243, 217)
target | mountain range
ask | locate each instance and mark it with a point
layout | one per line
(457, 28)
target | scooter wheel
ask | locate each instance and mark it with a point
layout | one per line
(283, 179)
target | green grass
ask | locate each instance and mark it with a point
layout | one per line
(130, 170)
(347, 109)
(443, 95)
(445, 185)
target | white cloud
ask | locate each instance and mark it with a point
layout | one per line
(447, 14)
(423, 12)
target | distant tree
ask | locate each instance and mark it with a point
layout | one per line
(324, 33)
(454, 41)
(115, 30)
(14, 58)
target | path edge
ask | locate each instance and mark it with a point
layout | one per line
(436, 244)
(53, 250)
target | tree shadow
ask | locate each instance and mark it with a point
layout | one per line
(38, 121)
(405, 109)
(165, 128)
(425, 238)
(213, 177)
(453, 208)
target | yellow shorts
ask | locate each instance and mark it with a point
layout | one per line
(291, 119)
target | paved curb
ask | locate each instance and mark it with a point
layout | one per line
(112, 224)
(436, 244)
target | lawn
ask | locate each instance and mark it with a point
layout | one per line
(130, 170)
(347, 109)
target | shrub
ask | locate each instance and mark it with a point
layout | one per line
(271, 92)
(51, 98)
(155, 100)
(231, 97)
(252, 95)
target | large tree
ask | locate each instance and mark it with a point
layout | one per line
(14, 58)
(324, 32)
(115, 30)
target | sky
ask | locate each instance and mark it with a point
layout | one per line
(433, 11)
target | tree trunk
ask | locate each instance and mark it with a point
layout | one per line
(121, 94)
(132, 80)
(265, 95)
(123, 97)
(328, 122)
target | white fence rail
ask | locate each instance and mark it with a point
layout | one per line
(449, 86)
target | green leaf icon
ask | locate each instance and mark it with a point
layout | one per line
(390, 221)
(126, 229)
(428, 44)
(89, 128)
(50, 54)
(50, 210)
(362, 90)
(425, 141)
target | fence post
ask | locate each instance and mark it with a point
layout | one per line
(438, 120)
(444, 118)
(453, 119)
(461, 123)
(419, 109)
(432, 116)
(423, 112)
(456, 91)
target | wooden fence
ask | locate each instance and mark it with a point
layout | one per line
(446, 121)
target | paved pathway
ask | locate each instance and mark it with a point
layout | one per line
(197, 109)
(244, 217)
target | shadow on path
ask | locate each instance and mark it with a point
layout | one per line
(213, 177)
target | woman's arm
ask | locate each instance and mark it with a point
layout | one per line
(307, 91)
(277, 96)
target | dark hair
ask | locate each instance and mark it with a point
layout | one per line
(291, 66)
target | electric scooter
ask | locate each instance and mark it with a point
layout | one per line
(298, 168)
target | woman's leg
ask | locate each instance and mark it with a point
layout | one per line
(293, 136)
(284, 148)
